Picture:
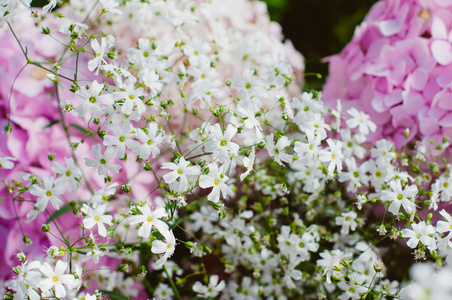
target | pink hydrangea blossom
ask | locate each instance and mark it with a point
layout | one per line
(397, 69)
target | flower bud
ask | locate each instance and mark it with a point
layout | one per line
(126, 188)
(27, 240)
(123, 268)
(51, 156)
(45, 227)
(8, 129)
(147, 166)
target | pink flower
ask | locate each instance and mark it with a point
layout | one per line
(397, 70)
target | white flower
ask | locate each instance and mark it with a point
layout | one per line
(56, 278)
(52, 189)
(96, 217)
(276, 151)
(120, 139)
(166, 248)
(100, 51)
(334, 156)
(347, 220)
(212, 290)
(248, 163)
(150, 141)
(310, 149)
(6, 162)
(102, 195)
(102, 161)
(150, 219)
(93, 100)
(221, 144)
(360, 120)
(399, 196)
(132, 99)
(180, 171)
(332, 262)
(421, 232)
(110, 6)
(217, 180)
(71, 173)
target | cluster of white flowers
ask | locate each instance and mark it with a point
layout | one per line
(192, 130)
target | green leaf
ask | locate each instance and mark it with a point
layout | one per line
(114, 295)
(51, 123)
(79, 128)
(65, 209)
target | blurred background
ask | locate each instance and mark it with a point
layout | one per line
(318, 28)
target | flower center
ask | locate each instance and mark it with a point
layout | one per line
(150, 142)
(96, 218)
(92, 99)
(55, 278)
(223, 143)
(122, 139)
(68, 173)
(48, 193)
(103, 161)
(400, 196)
(149, 219)
(180, 172)
(216, 181)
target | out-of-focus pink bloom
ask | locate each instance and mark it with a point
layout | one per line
(397, 69)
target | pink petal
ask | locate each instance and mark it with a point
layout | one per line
(442, 52)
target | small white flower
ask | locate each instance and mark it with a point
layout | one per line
(421, 232)
(218, 181)
(150, 219)
(347, 220)
(6, 162)
(360, 120)
(334, 156)
(97, 217)
(212, 290)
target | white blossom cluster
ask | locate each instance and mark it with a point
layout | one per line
(193, 130)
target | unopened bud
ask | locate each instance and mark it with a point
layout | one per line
(45, 227)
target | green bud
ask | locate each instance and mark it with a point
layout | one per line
(111, 55)
(8, 129)
(147, 166)
(45, 30)
(190, 245)
(51, 156)
(110, 232)
(335, 277)
(222, 214)
(96, 121)
(126, 188)
(45, 228)
(202, 163)
(261, 145)
(217, 206)
(195, 111)
(228, 82)
(123, 268)
(27, 240)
